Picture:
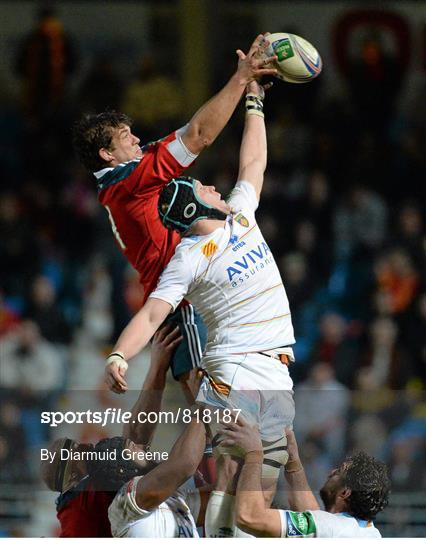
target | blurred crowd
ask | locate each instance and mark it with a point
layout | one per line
(341, 210)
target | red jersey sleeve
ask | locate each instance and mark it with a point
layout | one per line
(162, 161)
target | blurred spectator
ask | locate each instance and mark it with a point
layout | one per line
(153, 100)
(19, 252)
(299, 284)
(360, 220)
(316, 205)
(413, 335)
(9, 319)
(407, 444)
(410, 233)
(389, 364)
(322, 404)
(368, 433)
(336, 348)
(97, 319)
(313, 247)
(77, 209)
(32, 369)
(45, 62)
(43, 309)
(375, 78)
(13, 456)
(398, 279)
(102, 88)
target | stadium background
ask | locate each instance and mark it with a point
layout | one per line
(342, 210)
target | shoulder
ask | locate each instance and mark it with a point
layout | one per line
(111, 176)
(298, 524)
(243, 195)
(342, 526)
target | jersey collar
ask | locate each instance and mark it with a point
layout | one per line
(112, 175)
(361, 522)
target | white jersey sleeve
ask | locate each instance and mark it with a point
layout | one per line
(178, 149)
(175, 280)
(243, 196)
(171, 519)
(321, 524)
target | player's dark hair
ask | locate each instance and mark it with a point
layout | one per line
(93, 132)
(368, 480)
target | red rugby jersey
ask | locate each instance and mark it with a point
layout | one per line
(86, 515)
(130, 192)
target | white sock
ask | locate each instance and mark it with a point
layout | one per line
(219, 521)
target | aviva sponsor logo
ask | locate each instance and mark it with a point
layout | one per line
(249, 264)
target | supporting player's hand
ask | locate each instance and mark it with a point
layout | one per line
(293, 464)
(241, 434)
(164, 344)
(255, 64)
(114, 377)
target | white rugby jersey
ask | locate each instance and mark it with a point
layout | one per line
(320, 524)
(233, 281)
(171, 519)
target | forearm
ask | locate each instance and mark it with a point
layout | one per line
(300, 496)
(142, 327)
(149, 400)
(253, 150)
(212, 117)
(135, 336)
(188, 450)
(250, 502)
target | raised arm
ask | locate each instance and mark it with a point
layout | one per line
(132, 340)
(164, 343)
(164, 480)
(300, 496)
(253, 151)
(212, 117)
(252, 514)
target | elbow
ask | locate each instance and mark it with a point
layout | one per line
(246, 519)
(198, 139)
(188, 468)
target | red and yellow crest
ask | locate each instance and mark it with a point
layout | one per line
(242, 220)
(209, 249)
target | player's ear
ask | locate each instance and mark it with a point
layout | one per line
(106, 155)
(345, 493)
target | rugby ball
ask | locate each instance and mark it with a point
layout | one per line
(298, 61)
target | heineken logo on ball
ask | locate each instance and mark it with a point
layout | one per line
(283, 49)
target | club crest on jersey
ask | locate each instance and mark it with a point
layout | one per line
(209, 249)
(242, 220)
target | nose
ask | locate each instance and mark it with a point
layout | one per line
(136, 140)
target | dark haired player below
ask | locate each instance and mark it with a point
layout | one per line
(130, 178)
(353, 494)
(87, 487)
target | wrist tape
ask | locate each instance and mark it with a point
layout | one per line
(254, 456)
(254, 105)
(293, 466)
(118, 358)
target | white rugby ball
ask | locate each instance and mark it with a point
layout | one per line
(298, 60)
